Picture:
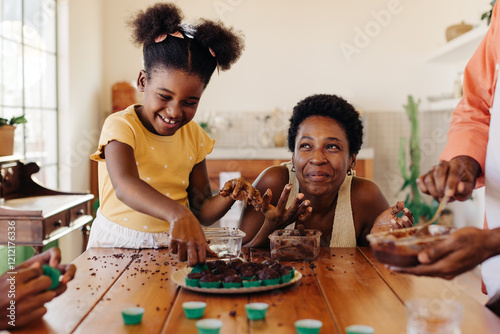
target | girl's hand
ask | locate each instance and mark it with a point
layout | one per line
(187, 239)
(388, 221)
(278, 216)
(240, 190)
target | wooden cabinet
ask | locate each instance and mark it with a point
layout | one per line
(32, 215)
(250, 169)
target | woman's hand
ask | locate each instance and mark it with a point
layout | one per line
(388, 221)
(187, 238)
(278, 216)
(240, 190)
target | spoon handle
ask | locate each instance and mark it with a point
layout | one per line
(440, 208)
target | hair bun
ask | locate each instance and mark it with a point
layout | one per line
(161, 18)
(224, 42)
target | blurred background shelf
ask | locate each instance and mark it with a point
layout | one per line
(460, 47)
(441, 105)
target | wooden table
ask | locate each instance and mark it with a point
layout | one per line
(343, 286)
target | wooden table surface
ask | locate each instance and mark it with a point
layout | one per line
(343, 286)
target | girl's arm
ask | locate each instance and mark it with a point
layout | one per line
(187, 236)
(207, 208)
(252, 222)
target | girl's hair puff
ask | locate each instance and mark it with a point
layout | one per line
(191, 53)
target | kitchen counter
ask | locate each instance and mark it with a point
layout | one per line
(270, 153)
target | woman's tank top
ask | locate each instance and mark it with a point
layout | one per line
(343, 232)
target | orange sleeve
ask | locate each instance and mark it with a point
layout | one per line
(468, 134)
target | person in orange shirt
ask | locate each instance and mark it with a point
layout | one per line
(470, 160)
(25, 289)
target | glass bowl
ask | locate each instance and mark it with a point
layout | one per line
(400, 247)
(224, 241)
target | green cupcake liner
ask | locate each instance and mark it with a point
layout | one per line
(272, 281)
(53, 273)
(192, 282)
(251, 284)
(210, 285)
(286, 278)
(231, 285)
(199, 268)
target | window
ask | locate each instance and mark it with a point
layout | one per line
(28, 80)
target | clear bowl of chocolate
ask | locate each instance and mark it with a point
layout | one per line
(224, 241)
(299, 244)
(400, 247)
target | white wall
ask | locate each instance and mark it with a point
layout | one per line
(80, 89)
(80, 94)
(294, 48)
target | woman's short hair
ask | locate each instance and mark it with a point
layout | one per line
(331, 106)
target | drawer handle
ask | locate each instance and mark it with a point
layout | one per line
(58, 223)
(80, 212)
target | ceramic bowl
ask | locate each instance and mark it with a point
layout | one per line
(308, 326)
(208, 326)
(256, 311)
(359, 329)
(132, 315)
(194, 310)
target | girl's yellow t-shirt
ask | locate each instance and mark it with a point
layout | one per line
(165, 162)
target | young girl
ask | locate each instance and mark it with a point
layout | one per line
(152, 172)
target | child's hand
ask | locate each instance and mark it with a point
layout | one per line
(388, 221)
(240, 190)
(279, 216)
(188, 239)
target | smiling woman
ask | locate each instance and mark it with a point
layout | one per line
(317, 187)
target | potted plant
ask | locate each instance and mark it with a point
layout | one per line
(7, 128)
(410, 170)
(487, 15)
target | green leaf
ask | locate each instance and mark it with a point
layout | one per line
(18, 120)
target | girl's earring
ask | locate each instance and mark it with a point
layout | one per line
(293, 168)
(351, 172)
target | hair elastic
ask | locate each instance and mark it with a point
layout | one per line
(161, 38)
(178, 34)
(213, 55)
